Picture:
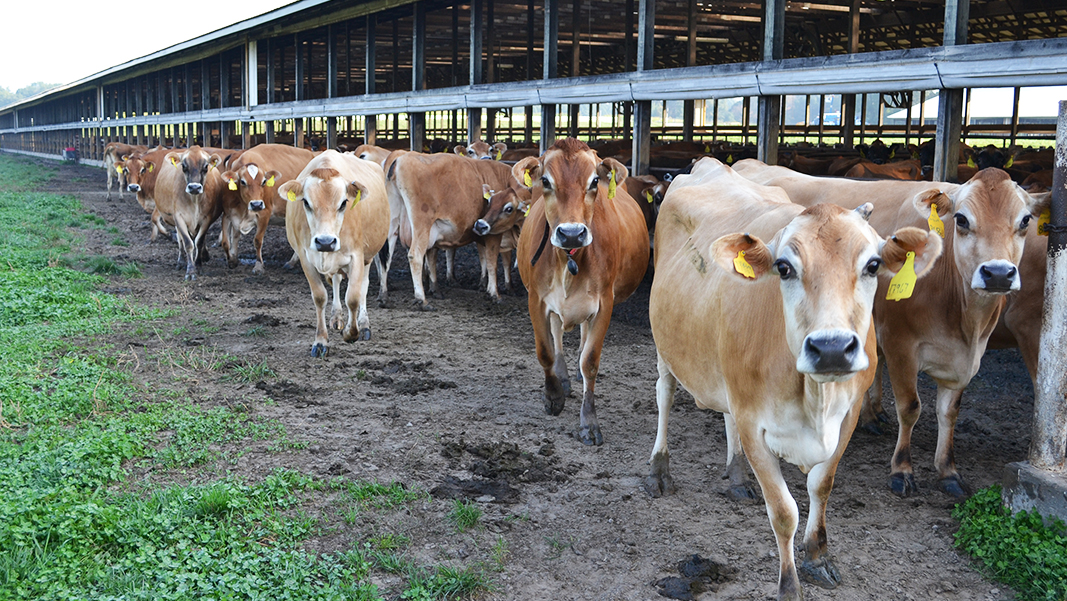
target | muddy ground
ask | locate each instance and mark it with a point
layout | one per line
(455, 395)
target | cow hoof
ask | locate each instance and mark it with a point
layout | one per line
(191, 277)
(821, 572)
(553, 406)
(438, 295)
(319, 350)
(565, 384)
(873, 428)
(258, 270)
(364, 334)
(657, 486)
(903, 485)
(882, 417)
(742, 492)
(955, 486)
(590, 435)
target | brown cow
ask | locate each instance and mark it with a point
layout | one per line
(482, 150)
(114, 153)
(648, 191)
(784, 351)
(140, 171)
(499, 228)
(187, 196)
(943, 328)
(337, 221)
(250, 198)
(905, 170)
(597, 257)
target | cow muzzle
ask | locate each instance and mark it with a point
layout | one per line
(194, 188)
(481, 227)
(572, 235)
(256, 206)
(996, 277)
(325, 243)
(133, 188)
(832, 354)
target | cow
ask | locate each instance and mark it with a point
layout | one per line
(440, 198)
(761, 308)
(250, 198)
(942, 330)
(140, 171)
(114, 153)
(187, 195)
(482, 150)
(336, 220)
(499, 229)
(909, 170)
(648, 191)
(597, 258)
(372, 153)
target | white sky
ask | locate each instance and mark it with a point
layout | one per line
(60, 41)
(997, 102)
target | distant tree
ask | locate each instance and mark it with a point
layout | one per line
(7, 96)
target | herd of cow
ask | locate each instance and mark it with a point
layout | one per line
(775, 292)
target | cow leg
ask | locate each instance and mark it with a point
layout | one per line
(872, 413)
(358, 327)
(187, 246)
(291, 263)
(337, 321)
(483, 264)
(560, 366)
(228, 240)
(450, 260)
(948, 409)
(506, 261)
(741, 488)
(593, 333)
(416, 259)
(492, 251)
(659, 481)
(549, 346)
(383, 288)
(318, 295)
(262, 222)
(110, 177)
(903, 378)
(431, 270)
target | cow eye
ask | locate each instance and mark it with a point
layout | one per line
(593, 184)
(785, 270)
(873, 266)
(962, 222)
(508, 209)
(545, 183)
(185, 168)
(307, 205)
(344, 203)
(1025, 222)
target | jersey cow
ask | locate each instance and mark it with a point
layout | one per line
(482, 150)
(186, 195)
(774, 332)
(140, 171)
(499, 229)
(944, 327)
(336, 220)
(583, 248)
(114, 153)
(250, 198)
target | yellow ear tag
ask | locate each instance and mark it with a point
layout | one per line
(118, 169)
(174, 161)
(233, 185)
(526, 178)
(270, 182)
(970, 162)
(486, 196)
(729, 159)
(292, 196)
(648, 195)
(1043, 220)
(707, 148)
(1011, 161)
(359, 196)
(611, 185)
(151, 167)
(527, 212)
(936, 225)
(742, 266)
(499, 154)
(903, 283)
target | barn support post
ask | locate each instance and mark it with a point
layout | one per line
(370, 122)
(770, 107)
(848, 101)
(490, 67)
(550, 71)
(575, 110)
(1041, 483)
(642, 142)
(529, 110)
(417, 121)
(689, 106)
(474, 115)
(950, 102)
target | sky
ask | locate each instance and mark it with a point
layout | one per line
(82, 38)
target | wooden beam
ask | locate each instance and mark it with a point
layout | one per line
(642, 142)
(950, 101)
(770, 107)
(370, 123)
(417, 121)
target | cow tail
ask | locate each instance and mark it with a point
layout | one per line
(391, 175)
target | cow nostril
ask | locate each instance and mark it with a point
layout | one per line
(1011, 272)
(852, 346)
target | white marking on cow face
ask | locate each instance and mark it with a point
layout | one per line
(253, 171)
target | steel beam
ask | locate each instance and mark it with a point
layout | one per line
(549, 70)
(642, 142)
(950, 101)
(770, 106)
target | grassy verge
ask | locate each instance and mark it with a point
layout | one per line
(73, 425)
(1018, 550)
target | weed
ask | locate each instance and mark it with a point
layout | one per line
(500, 553)
(444, 583)
(119, 241)
(361, 375)
(389, 542)
(381, 496)
(253, 372)
(556, 546)
(255, 332)
(464, 515)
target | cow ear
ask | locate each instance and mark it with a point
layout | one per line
(499, 147)
(291, 190)
(230, 178)
(173, 158)
(460, 149)
(1039, 202)
(215, 160)
(527, 171)
(607, 166)
(150, 166)
(926, 246)
(742, 256)
(355, 192)
(923, 200)
(271, 178)
(487, 192)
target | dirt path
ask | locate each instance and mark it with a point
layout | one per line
(456, 394)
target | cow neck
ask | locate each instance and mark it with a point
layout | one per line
(978, 312)
(541, 247)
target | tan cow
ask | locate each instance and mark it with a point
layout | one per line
(482, 150)
(140, 172)
(762, 310)
(114, 153)
(187, 196)
(597, 257)
(499, 229)
(250, 199)
(337, 221)
(942, 330)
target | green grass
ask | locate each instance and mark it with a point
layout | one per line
(1018, 550)
(464, 515)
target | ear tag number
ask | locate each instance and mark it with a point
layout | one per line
(611, 185)
(526, 178)
(936, 225)
(742, 266)
(648, 196)
(1042, 221)
(903, 283)
(232, 185)
(270, 182)
(292, 196)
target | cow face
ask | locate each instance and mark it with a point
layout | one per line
(987, 219)
(505, 210)
(572, 181)
(482, 150)
(326, 198)
(827, 260)
(255, 189)
(137, 170)
(195, 165)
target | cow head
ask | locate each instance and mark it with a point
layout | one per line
(195, 165)
(325, 198)
(482, 150)
(505, 210)
(255, 189)
(369, 152)
(827, 260)
(987, 219)
(137, 170)
(572, 180)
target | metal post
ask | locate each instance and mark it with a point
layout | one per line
(370, 122)
(646, 25)
(529, 110)
(490, 66)
(575, 110)
(417, 121)
(474, 115)
(770, 107)
(950, 102)
(550, 71)
(689, 107)
(848, 101)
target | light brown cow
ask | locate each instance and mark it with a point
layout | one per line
(187, 195)
(250, 198)
(337, 221)
(942, 330)
(499, 230)
(441, 197)
(140, 172)
(482, 150)
(114, 153)
(905, 170)
(784, 351)
(597, 258)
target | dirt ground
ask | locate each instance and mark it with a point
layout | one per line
(455, 395)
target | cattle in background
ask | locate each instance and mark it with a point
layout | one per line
(440, 196)
(909, 170)
(141, 171)
(250, 197)
(336, 221)
(499, 229)
(942, 330)
(116, 152)
(648, 191)
(776, 335)
(187, 195)
(583, 248)
(482, 150)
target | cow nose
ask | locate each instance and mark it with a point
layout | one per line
(194, 188)
(572, 235)
(833, 352)
(325, 243)
(256, 205)
(133, 188)
(486, 158)
(481, 227)
(998, 277)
